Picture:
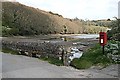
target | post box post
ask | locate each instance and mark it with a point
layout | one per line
(103, 50)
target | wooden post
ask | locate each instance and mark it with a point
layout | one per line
(64, 56)
(64, 59)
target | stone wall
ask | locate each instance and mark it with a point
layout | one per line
(34, 48)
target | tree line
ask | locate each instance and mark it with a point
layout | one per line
(18, 19)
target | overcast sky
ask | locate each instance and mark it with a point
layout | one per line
(83, 9)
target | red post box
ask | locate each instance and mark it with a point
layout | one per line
(103, 38)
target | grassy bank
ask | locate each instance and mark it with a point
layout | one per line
(93, 57)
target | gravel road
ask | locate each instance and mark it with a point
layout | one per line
(18, 66)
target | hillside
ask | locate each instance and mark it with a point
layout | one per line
(18, 19)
